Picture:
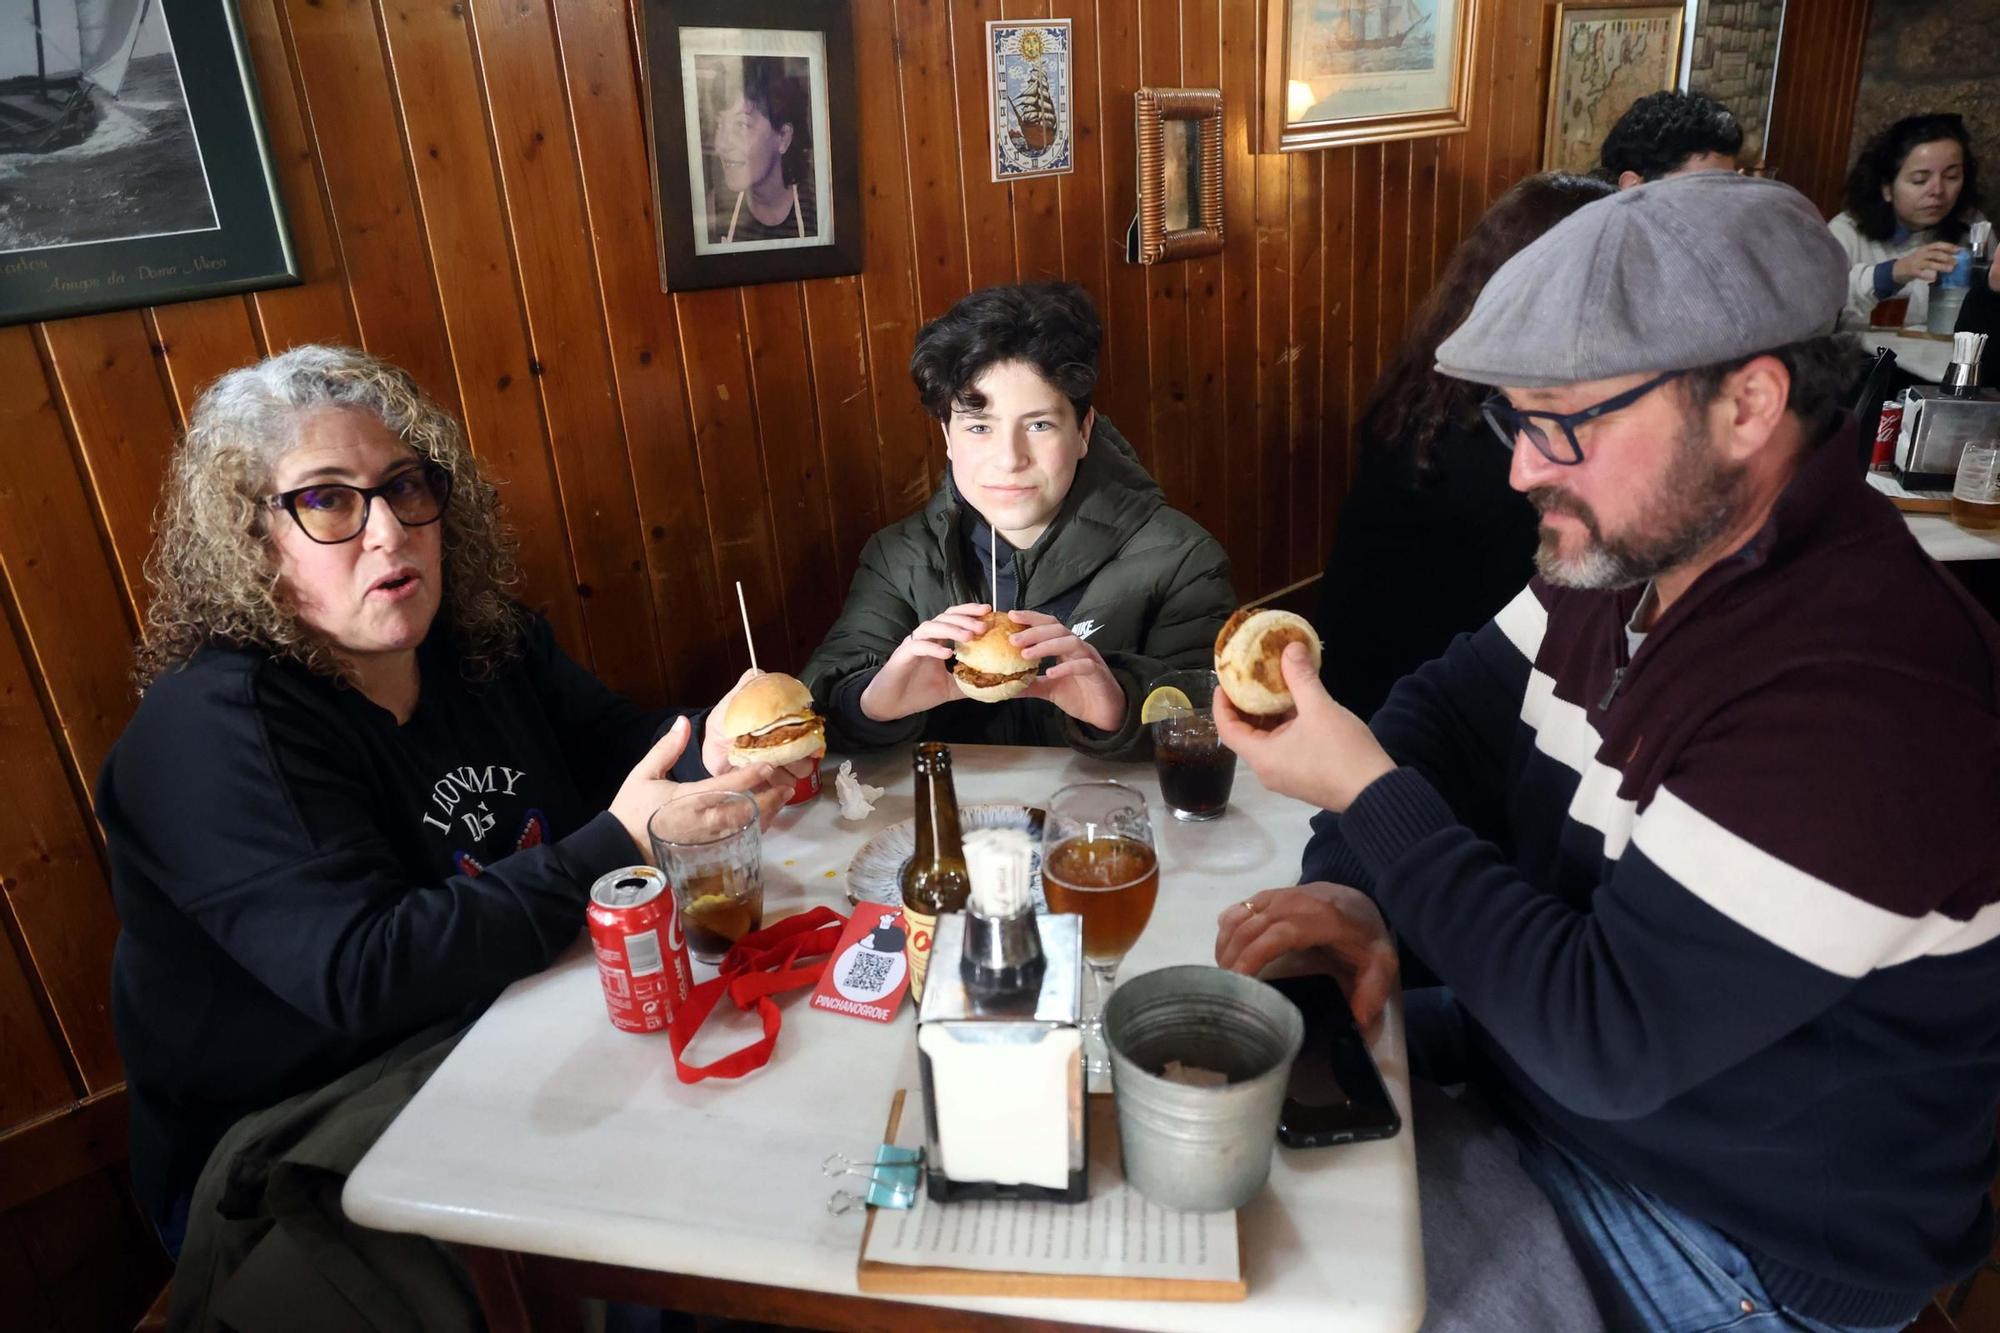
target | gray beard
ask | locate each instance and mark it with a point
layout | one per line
(1700, 497)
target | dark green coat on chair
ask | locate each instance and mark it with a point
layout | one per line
(1154, 580)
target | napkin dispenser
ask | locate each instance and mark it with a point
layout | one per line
(1003, 1067)
(1936, 427)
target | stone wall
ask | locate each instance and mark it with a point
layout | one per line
(1934, 55)
(1735, 56)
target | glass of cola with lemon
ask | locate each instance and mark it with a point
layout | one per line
(1195, 768)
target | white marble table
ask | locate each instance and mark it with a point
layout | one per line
(549, 1133)
(1941, 538)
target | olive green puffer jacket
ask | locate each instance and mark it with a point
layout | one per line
(1154, 583)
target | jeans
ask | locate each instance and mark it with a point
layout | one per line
(1649, 1265)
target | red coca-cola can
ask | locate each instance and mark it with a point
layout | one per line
(807, 787)
(642, 956)
(1886, 431)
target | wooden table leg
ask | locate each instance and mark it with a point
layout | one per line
(510, 1303)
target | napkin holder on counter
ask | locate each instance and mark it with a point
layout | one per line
(1938, 421)
(1003, 1071)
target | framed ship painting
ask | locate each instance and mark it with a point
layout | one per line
(1364, 71)
(1033, 106)
(133, 166)
(754, 143)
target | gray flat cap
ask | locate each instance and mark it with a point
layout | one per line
(1682, 272)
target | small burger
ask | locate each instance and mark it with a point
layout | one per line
(771, 721)
(1247, 654)
(990, 668)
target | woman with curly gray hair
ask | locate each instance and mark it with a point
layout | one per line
(364, 789)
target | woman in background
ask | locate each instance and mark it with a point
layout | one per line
(1912, 195)
(1432, 541)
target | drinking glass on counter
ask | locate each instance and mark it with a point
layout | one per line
(1975, 494)
(1098, 861)
(1196, 769)
(709, 846)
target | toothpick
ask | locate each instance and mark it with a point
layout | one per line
(741, 606)
(993, 562)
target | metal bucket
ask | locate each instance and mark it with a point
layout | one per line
(1200, 1149)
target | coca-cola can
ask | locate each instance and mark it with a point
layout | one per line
(1886, 432)
(807, 787)
(642, 956)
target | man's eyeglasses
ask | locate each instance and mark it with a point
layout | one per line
(333, 512)
(1510, 423)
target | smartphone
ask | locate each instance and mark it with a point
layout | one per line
(1336, 1094)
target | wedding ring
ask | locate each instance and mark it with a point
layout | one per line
(1250, 906)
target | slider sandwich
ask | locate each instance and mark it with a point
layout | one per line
(990, 668)
(1247, 654)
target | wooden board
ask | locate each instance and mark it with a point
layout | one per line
(911, 1280)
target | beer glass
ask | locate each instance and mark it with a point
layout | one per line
(710, 847)
(1098, 861)
(1195, 768)
(1975, 493)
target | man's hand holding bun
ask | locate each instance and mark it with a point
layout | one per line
(1077, 681)
(1318, 753)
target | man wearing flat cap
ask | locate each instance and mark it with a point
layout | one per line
(1698, 833)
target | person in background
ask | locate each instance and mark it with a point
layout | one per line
(1431, 540)
(1668, 133)
(1715, 933)
(1912, 194)
(364, 790)
(1110, 585)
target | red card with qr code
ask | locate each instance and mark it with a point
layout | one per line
(869, 971)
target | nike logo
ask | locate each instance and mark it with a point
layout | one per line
(1083, 629)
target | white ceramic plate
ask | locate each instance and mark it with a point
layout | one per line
(875, 874)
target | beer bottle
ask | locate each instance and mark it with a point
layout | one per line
(934, 882)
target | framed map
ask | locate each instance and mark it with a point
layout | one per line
(1606, 57)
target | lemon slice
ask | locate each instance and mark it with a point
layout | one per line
(1165, 702)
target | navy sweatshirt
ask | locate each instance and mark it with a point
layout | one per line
(301, 882)
(1726, 914)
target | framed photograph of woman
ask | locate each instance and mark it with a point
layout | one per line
(1365, 71)
(753, 140)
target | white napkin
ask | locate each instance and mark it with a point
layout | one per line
(857, 799)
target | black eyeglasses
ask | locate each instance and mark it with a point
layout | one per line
(333, 512)
(1510, 423)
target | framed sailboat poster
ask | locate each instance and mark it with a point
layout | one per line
(1364, 71)
(1032, 98)
(133, 166)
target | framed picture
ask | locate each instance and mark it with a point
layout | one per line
(1032, 111)
(1734, 59)
(1364, 71)
(1606, 57)
(753, 140)
(1180, 172)
(133, 167)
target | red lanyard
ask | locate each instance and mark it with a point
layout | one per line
(761, 964)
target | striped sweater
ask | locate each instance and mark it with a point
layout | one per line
(1726, 911)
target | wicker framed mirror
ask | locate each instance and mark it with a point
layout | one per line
(1180, 172)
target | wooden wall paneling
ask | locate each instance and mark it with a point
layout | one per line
(1035, 203)
(36, 1080)
(1537, 34)
(197, 341)
(1305, 365)
(721, 404)
(550, 235)
(80, 1137)
(96, 1262)
(119, 414)
(987, 214)
(794, 473)
(1425, 157)
(1208, 408)
(50, 877)
(1509, 56)
(317, 310)
(1339, 275)
(1397, 207)
(1242, 47)
(1273, 416)
(77, 624)
(607, 112)
(1473, 194)
(438, 97)
(1166, 285)
(843, 388)
(906, 443)
(1369, 188)
(345, 82)
(930, 128)
(1081, 192)
(1125, 388)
